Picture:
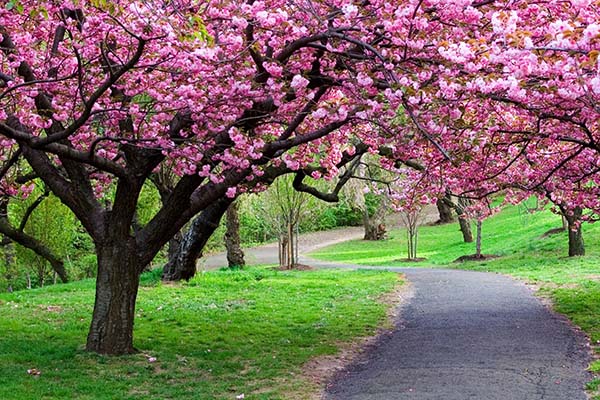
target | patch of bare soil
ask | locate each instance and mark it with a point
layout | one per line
(475, 257)
(439, 222)
(551, 232)
(52, 309)
(295, 267)
(418, 259)
(321, 370)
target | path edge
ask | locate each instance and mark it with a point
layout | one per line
(322, 371)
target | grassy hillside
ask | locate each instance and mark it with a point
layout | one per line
(223, 334)
(514, 234)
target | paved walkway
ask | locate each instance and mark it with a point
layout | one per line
(267, 254)
(464, 335)
(470, 335)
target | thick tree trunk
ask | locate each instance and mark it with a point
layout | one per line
(465, 228)
(463, 221)
(576, 244)
(445, 212)
(173, 246)
(183, 263)
(111, 330)
(235, 255)
(375, 224)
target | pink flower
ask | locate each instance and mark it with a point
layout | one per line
(231, 192)
(299, 82)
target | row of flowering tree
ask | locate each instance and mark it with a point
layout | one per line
(96, 97)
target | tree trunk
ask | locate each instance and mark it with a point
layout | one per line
(478, 242)
(111, 330)
(235, 255)
(183, 263)
(465, 228)
(173, 246)
(288, 246)
(576, 244)
(283, 246)
(375, 224)
(463, 221)
(445, 212)
(290, 249)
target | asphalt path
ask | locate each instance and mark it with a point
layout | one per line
(267, 254)
(470, 335)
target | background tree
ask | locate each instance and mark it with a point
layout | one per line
(235, 255)
(283, 207)
(411, 220)
(50, 223)
(444, 211)
(366, 192)
(13, 226)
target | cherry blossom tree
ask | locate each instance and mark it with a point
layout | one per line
(97, 95)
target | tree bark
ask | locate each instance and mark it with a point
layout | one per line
(111, 330)
(235, 255)
(463, 221)
(445, 212)
(173, 246)
(282, 246)
(375, 224)
(478, 242)
(183, 264)
(576, 244)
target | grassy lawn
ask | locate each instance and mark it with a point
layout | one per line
(223, 334)
(513, 234)
(573, 284)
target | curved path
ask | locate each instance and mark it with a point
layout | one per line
(267, 254)
(470, 335)
(464, 335)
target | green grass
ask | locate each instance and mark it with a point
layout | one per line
(513, 234)
(513, 231)
(572, 283)
(223, 334)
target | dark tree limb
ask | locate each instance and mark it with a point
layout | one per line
(28, 241)
(184, 265)
(32, 208)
